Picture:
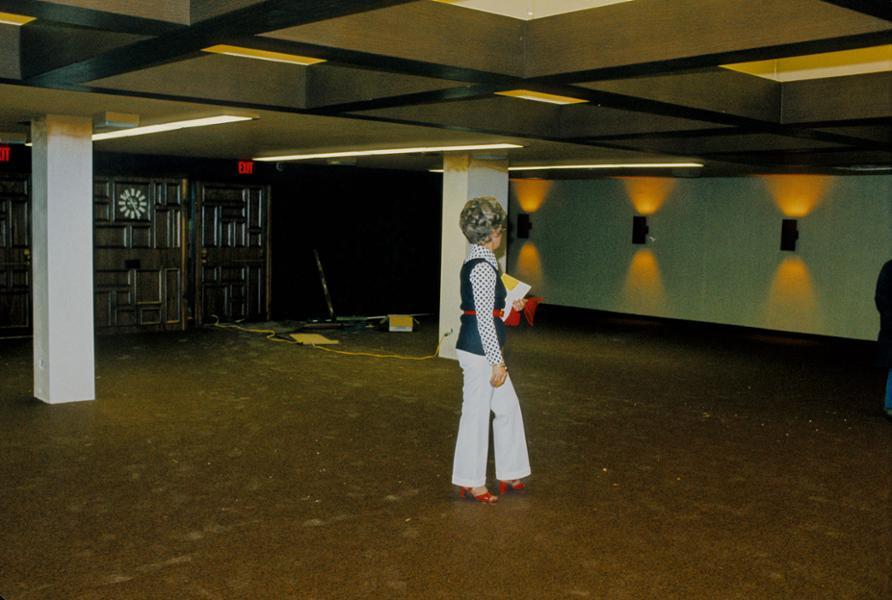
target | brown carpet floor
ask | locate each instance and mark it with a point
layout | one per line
(668, 462)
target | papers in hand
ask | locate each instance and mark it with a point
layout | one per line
(516, 290)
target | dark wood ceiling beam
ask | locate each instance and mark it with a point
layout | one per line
(749, 127)
(45, 46)
(375, 62)
(776, 151)
(428, 32)
(221, 78)
(598, 98)
(849, 138)
(750, 159)
(652, 106)
(470, 92)
(742, 160)
(714, 89)
(176, 97)
(656, 151)
(617, 40)
(684, 133)
(486, 130)
(187, 41)
(331, 85)
(826, 158)
(881, 122)
(202, 10)
(708, 61)
(852, 97)
(881, 9)
(60, 14)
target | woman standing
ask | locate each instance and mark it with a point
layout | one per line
(487, 386)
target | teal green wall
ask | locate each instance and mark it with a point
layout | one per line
(715, 256)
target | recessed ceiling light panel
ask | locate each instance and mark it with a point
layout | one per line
(14, 19)
(541, 97)
(386, 152)
(172, 126)
(860, 61)
(267, 55)
(666, 165)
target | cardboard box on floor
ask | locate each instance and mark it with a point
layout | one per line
(400, 323)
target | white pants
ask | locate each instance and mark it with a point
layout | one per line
(472, 445)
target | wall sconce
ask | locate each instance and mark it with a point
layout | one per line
(639, 230)
(523, 226)
(789, 235)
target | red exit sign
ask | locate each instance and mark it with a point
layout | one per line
(5, 154)
(246, 167)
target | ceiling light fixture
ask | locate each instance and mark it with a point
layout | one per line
(172, 126)
(385, 152)
(858, 61)
(541, 97)
(612, 166)
(865, 168)
(13, 19)
(280, 57)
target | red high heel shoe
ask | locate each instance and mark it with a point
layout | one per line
(517, 486)
(484, 498)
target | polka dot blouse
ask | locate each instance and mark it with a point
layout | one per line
(483, 285)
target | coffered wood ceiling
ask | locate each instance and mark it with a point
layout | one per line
(424, 73)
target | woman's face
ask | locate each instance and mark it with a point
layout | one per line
(495, 239)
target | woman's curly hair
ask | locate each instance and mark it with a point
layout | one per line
(480, 217)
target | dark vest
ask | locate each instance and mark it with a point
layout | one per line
(468, 335)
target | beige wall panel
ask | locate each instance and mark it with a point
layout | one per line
(715, 254)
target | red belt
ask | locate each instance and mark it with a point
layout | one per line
(496, 312)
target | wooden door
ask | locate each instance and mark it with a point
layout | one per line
(15, 256)
(232, 249)
(140, 254)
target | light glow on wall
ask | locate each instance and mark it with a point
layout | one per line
(797, 196)
(792, 303)
(643, 289)
(529, 265)
(531, 193)
(648, 194)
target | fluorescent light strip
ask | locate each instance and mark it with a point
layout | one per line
(611, 166)
(541, 97)
(13, 19)
(268, 55)
(172, 126)
(384, 152)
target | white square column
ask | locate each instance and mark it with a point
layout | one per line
(464, 177)
(62, 258)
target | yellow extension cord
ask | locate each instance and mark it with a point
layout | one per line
(272, 336)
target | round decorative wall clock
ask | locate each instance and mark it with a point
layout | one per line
(132, 204)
